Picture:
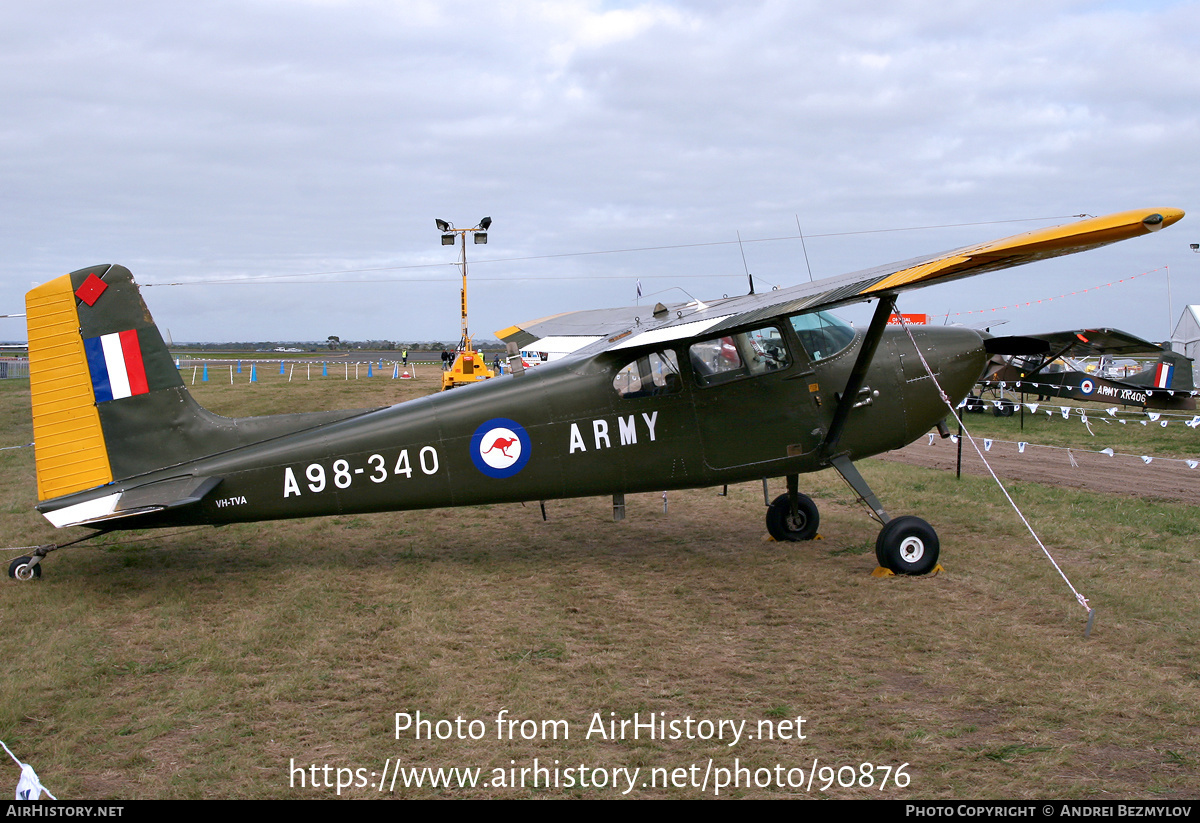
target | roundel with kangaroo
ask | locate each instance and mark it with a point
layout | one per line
(500, 447)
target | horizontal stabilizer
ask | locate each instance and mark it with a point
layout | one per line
(151, 497)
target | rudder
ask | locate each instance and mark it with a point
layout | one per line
(92, 343)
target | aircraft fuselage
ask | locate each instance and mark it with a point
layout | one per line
(564, 430)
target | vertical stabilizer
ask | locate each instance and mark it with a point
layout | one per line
(108, 401)
(93, 351)
(1172, 371)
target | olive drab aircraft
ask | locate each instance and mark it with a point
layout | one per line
(1044, 365)
(670, 397)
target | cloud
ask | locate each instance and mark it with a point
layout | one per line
(286, 137)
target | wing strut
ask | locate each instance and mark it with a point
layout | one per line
(854, 383)
(847, 401)
(1047, 361)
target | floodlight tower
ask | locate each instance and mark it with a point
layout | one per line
(468, 367)
(479, 233)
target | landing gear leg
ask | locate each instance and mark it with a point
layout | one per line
(793, 516)
(855, 481)
(30, 567)
(906, 545)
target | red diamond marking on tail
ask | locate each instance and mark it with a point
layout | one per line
(91, 290)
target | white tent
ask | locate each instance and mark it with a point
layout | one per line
(1186, 338)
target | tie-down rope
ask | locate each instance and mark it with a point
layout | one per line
(945, 399)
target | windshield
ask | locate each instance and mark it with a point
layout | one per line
(822, 334)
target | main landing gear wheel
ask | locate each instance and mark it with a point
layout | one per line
(783, 525)
(22, 569)
(907, 545)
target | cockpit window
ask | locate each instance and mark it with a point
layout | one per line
(653, 374)
(822, 334)
(739, 355)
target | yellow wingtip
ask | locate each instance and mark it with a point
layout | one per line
(1052, 241)
(1171, 216)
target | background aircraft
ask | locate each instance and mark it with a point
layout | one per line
(668, 397)
(1044, 365)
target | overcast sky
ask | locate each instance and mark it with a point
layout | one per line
(276, 141)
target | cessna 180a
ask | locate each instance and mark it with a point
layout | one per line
(669, 397)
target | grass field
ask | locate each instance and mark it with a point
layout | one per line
(228, 662)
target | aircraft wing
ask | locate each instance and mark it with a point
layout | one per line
(636, 325)
(1077, 343)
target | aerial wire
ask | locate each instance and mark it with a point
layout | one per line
(268, 277)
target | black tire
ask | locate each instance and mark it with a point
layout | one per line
(20, 569)
(783, 526)
(907, 545)
(1004, 408)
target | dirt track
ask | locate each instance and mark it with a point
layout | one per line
(1122, 474)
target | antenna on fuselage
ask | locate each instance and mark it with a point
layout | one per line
(749, 276)
(804, 247)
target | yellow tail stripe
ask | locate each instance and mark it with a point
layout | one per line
(69, 442)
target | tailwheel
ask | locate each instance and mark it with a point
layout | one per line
(785, 524)
(23, 568)
(907, 545)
